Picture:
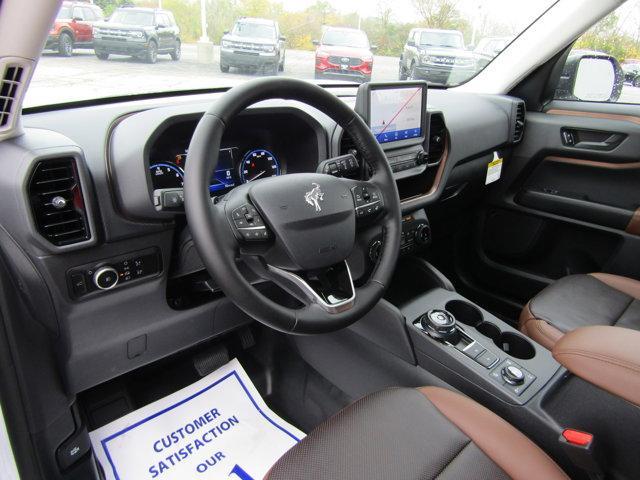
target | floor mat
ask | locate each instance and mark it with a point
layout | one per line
(218, 427)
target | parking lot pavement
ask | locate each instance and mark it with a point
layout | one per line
(83, 76)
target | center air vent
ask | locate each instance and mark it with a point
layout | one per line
(518, 129)
(9, 85)
(437, 137)
(57, 203)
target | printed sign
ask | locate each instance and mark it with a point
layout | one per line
(217, 428)
(494, 169)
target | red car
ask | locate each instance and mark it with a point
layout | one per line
(344, 54)
(73, 27)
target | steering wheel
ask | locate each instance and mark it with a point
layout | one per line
(295, 230)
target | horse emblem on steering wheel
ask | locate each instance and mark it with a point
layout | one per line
(314, 197)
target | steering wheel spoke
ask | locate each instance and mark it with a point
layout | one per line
(330, 288)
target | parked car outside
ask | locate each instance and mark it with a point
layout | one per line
(344, 54)
(140, 32)
(437, 56)
(631, 69)
(73, 27)
(488, 48)
(254, 44)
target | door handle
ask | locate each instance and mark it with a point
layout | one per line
(590, 139)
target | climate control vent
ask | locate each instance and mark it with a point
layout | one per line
(437, 137)
(9, 85)
(57, 203)
(518, 128)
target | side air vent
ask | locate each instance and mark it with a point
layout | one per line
(518, 129)
(437, 137)
(13, 75)
(57, 203)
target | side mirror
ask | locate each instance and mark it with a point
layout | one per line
(411, 43)
(316, 43)
(76, 19)
(283, 39)
(595, 79)
(161, 25)
(374, 48)
(226, 32)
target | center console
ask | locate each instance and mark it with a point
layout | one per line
(458, 339)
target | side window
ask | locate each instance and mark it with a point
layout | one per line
(163, 20)
(88, 14)
(77, 13)
(604, 63)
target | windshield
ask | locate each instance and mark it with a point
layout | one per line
(442, 39)
(219, 43)
(143, 19)
(345, 38)
(254, 30)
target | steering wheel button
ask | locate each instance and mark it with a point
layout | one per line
(241, 223)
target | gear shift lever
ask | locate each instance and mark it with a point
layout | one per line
(440, 325)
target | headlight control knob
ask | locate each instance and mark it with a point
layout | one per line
(105, 278)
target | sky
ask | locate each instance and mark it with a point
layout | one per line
(517, 13)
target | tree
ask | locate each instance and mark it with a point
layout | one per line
(108, 6)
(438, 13)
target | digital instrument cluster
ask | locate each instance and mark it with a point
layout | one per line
(234, 167)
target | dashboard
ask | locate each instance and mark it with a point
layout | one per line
(239, 163)
(125, 151)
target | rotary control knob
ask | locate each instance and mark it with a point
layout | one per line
(513, 375)
(440, 324)
(423, 234)
(105, 278)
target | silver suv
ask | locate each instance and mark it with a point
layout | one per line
(253, 44)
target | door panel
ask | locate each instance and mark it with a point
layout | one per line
(563, 206)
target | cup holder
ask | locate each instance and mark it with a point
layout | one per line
(515, 345)
(490, 330)
(511, 343)
(465, 312)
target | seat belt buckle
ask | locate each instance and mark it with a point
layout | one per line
(582, 450)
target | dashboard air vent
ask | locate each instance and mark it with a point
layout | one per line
(518, 130)
(437, 137)
(13, 75)
(57, 203)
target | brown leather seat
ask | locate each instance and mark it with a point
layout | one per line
(581, 301)
(409, 434)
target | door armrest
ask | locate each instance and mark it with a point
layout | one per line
(608, 357)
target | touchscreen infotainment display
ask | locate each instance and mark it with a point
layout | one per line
(396, 113)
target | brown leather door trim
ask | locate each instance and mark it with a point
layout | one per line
(634, 224)
(603, 116)
(594, 164)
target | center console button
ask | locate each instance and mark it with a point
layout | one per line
(473, 350)
(487, 359)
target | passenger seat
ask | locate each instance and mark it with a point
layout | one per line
(580, 301)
